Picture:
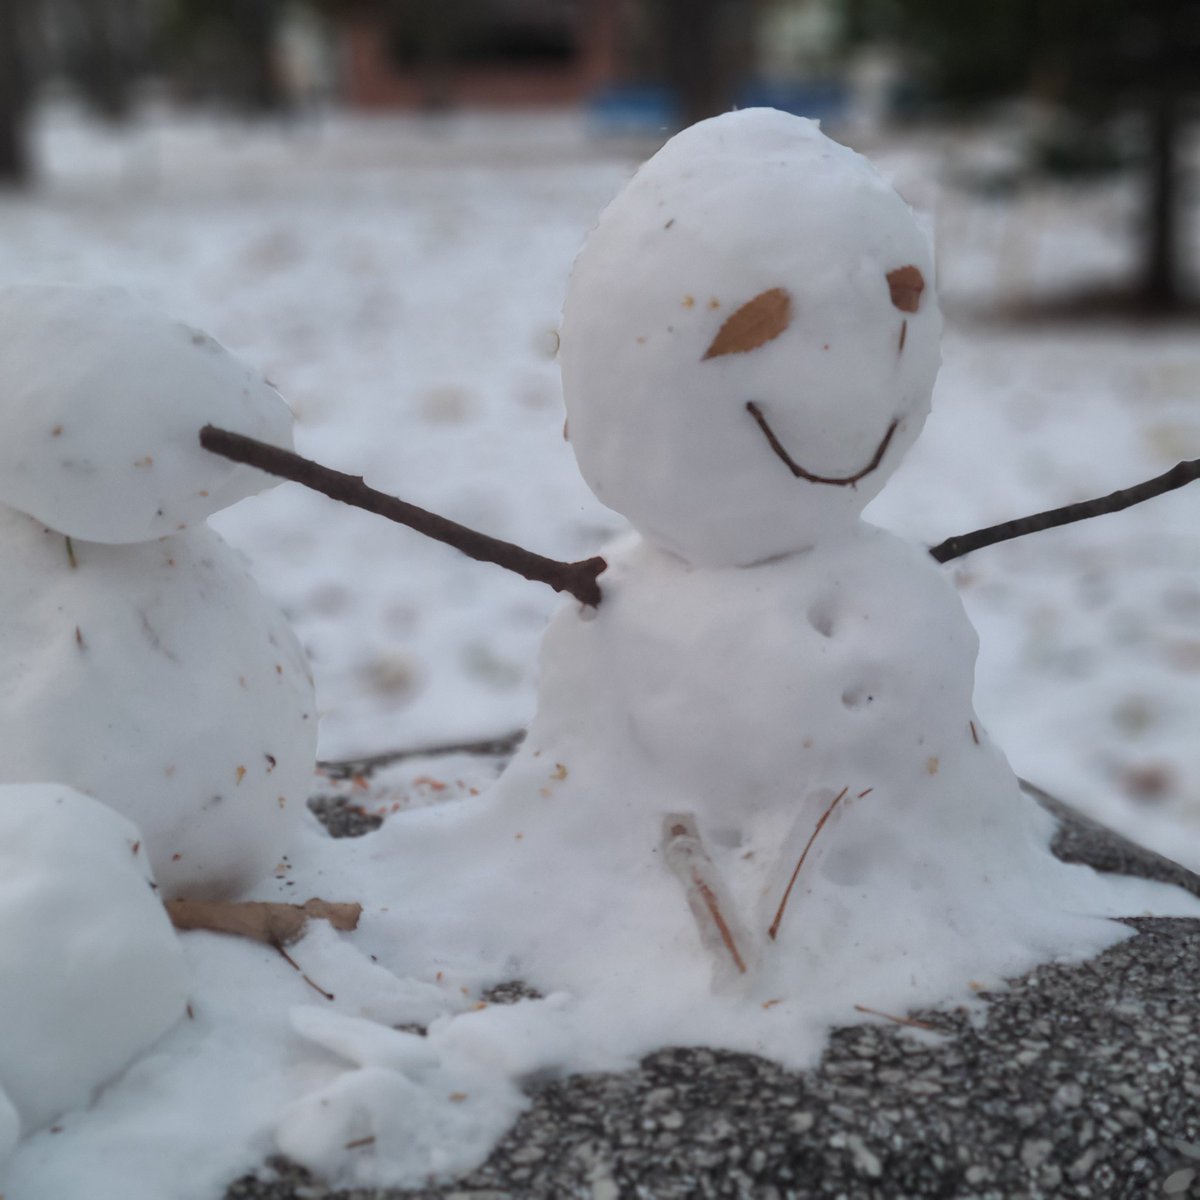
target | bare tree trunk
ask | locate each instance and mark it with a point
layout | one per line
(103, 64)
(258, 20)
(1160, 279)
(694, 57)
(15, 167)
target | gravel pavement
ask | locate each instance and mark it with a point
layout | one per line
(1079, 1081)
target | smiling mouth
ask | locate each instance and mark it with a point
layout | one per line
(800, 473)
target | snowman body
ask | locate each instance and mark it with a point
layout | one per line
(749, 700)
(143, 666)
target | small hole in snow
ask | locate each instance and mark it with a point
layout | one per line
(857, 696)
(729, 839)
(820, 617)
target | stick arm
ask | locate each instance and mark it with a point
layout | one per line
(577, 578)
(1178, 476)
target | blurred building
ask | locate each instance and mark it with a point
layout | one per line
(630, 61)
(433, 54)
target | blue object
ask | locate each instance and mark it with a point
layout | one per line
(632, 108)
(820, 99)
(652, 108)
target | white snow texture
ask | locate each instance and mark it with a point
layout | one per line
(157, 678)
(101, 406)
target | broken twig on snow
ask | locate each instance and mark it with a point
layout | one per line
(291, 962)
(711, 905)
(501, 746)
(874, 1012)
(1178, 476)
(577, 578)
(774, 930)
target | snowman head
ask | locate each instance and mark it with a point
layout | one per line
(749, 341)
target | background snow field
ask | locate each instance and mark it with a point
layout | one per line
(403, 296)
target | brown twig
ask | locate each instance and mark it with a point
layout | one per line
(709, 897)
(800, 472)
(291, 962)
(500, 746)
(774, 930)
(874, 1012)
(1178, 476)
(711, 905)
(577, 578)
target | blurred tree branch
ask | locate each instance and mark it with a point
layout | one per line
(1096, 60)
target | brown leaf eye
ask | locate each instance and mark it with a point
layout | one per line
(755, 323)
(906, 285)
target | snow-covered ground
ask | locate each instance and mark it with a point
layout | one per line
(401, 284)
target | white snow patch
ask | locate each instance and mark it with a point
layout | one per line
(94, 973)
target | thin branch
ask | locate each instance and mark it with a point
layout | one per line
(501, 746)
(291, 962)
(712, 906)
(800, 472)
(577, 578)
(773, 932)
(1177, 477)
(874, 1012)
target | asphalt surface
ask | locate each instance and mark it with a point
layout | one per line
(1082, 1081)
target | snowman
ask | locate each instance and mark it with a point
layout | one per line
(755, 793)
(142, 664)
(748, 347)
(157, 733)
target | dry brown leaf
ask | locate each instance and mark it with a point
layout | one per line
(271, 923)
(756, 322)
(906, 285)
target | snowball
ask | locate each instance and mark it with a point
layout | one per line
(94, 973)
(752, 260)
(158, 679)
(101, 405)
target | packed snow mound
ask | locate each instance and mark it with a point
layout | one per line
(157, 678)
(101, 405)
(433, 1105)
(94, 974)
(821, 698)
(751, 260)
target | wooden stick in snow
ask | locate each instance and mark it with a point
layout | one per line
(720, 929)
(773, 932)
(577, 578)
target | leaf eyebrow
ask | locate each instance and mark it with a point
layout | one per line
(755, 323)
